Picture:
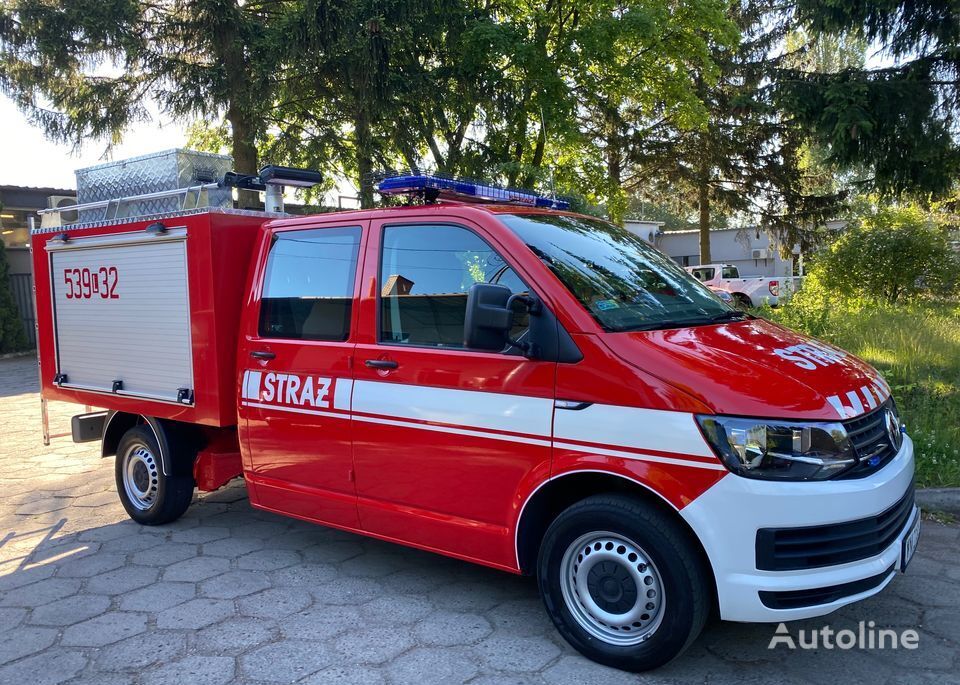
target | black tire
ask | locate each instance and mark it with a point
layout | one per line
(165, 498)
(742, 302)
(686, 595)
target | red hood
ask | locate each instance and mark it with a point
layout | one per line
(756, 368)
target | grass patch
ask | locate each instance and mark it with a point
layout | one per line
(916, 347)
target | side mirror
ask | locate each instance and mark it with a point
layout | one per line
(489, 318)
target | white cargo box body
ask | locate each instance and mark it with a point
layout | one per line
(138, 344)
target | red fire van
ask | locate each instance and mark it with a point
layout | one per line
(502, 382)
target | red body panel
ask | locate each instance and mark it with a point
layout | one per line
(219, 250)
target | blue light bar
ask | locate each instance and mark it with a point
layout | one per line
(454, 189)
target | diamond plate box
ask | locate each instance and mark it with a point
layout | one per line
(156, 172)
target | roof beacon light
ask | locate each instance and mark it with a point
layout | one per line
(468, 191)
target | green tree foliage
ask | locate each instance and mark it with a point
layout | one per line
(747, 158)
(897, 117)
(893, 253)
(12, 336)
(89, 68)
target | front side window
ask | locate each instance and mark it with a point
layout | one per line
(425, 275)
(621, 280)
(308, 289)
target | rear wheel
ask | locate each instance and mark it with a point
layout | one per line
(622, 582)
(742, 302)
(149, 496)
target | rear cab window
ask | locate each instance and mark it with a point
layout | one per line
(308, 287)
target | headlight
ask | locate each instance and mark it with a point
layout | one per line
(782, 450)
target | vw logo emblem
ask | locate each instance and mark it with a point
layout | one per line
(893, 430)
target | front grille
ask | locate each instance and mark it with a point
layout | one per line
(796, 599)
(790, 549)
(868, 433)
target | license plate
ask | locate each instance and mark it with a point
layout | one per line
(910, 545)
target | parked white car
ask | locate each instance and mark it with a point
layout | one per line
(750, 291)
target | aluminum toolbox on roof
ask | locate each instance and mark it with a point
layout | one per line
(142, 315)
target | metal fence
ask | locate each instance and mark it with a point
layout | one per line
(22, 285)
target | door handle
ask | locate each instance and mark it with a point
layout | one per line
(262, 354)
(381, 364)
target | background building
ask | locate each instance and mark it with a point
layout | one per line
(16, 204)
(750, 249)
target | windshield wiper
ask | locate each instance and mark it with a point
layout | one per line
(730, 315)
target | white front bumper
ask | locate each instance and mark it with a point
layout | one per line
(726, 519)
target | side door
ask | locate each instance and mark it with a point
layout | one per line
(296, 379)
(444, 436)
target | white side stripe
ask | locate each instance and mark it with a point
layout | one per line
(454, 431)
(474, 408)
(341, 393)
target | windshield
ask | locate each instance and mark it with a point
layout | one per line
(623, 282)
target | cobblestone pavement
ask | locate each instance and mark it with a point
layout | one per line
(231, 594)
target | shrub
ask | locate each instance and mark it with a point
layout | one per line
(894, 253)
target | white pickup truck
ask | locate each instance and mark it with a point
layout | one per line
(746, 292)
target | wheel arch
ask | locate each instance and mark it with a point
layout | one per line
(170, 436)
(554, 495)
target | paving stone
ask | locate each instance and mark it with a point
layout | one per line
(320, 623)
(395, 610)
(164, 554)
(43, 506)
(194, 614)
(19, 643)
(232, 547)
(18, 577)
(446, 628)
(517, 653)
(105, 629)
(275, 602)
(158, 596)
(200, 535)
(936, 592)
(235, 635)
(268, 560)
(577, 669)
(234, 584)
(373, 645)
(91, 566)
(11, 617)
(304, 575)
(44, 669)
(195, 670)
(284, 662)
(122, 580)
(70, 610)
(331, 552)
(136, 653)
(434, 666)
(347, 590)
(197, 569)
(130, 543)
(40, 593)
(346, 675)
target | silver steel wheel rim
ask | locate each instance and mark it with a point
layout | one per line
(141, 476)
(596, 574)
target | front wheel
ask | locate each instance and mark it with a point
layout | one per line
(622, 582)
(149, 496)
